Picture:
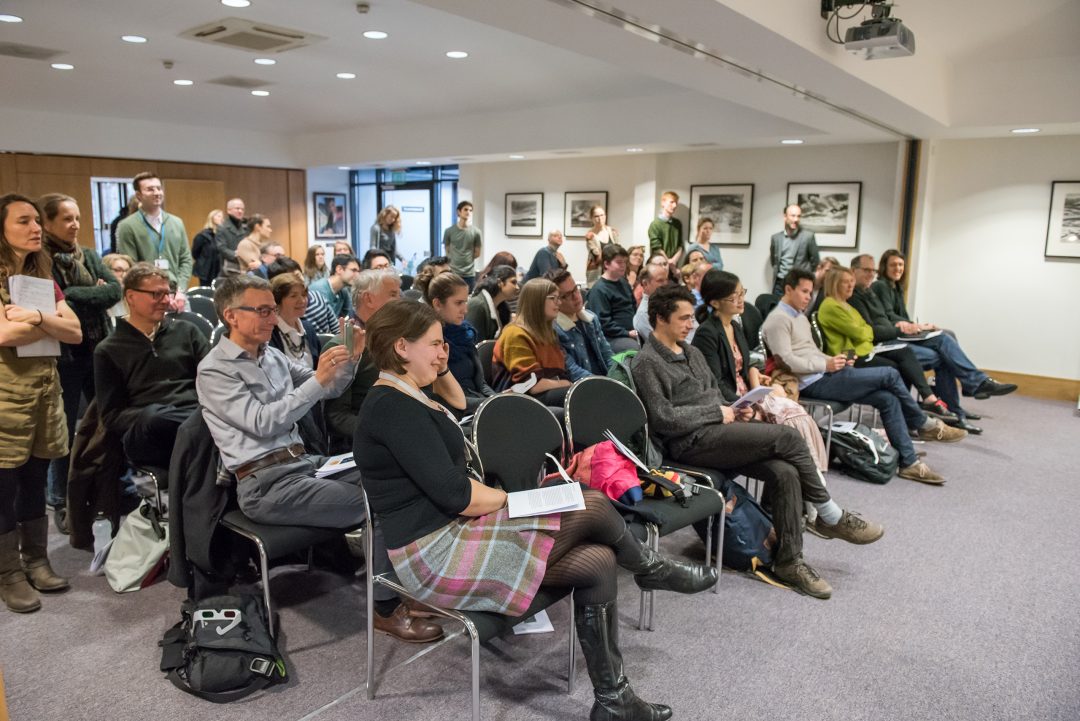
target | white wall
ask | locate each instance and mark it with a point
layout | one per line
(328, 180)
(633, 183)
(982, 271)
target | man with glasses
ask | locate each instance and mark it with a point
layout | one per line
(579, 332)
(144, 372)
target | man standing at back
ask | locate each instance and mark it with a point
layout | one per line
(462, 243)
(153, 236)
(794, 247)
(665, 232)
(229, 234)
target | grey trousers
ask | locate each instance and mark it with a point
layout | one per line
(777, 456)
(289, 494)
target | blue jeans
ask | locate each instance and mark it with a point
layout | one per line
(947, 359)
(881, 388)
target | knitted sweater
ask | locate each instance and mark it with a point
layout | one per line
(137, 239)
(844, 328)
(892, 299)
(792, 344)
(518, 354)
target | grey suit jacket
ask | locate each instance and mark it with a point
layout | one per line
(806, 250)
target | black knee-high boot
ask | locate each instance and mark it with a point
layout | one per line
(598, 633)
(653, 572)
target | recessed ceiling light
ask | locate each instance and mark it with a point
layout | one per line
(265, 61)
(635, 150)
(375, 35)
(346, 76)
(343, 167)
(457, 54)
(260, 93)
(791, 141)
(183, 82)
(236, 3)
(516, 157)
(423, 162)
(137, 39)
(1024, 131)
(10, 19)
(63, 66)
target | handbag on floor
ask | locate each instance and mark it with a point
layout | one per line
(749, 536)
(139, 554)
(861, 453)
(222, 650)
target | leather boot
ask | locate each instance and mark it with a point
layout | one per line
(33, 545)
(15, 590)
(598, 633)
(653, 572)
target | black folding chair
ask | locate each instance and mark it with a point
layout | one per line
(203, 306)
(202, 291)
(597, 404)
(486, 349)
(204, 326)
(215, 335)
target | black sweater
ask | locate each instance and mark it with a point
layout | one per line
(131, 372)
(873, 312)
(412, 458)
(613, 303)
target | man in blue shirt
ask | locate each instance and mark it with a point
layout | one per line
(336, 289)
(580, 335)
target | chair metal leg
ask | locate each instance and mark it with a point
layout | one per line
(652, 594)
(828, 436)
(264, 571)
(719, 562)
(571, 666)
(311, 559)
(370, 616)
(475, 637)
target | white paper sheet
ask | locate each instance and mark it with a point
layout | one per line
(336, 464)
(919, 337)
(35, 294)
(884, 348)
(752, 396)
(555, 498)
(540, 623)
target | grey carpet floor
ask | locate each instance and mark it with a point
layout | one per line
(966, 609)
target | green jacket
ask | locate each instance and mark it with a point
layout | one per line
(844, 329)
(666, 235)
(136, 238)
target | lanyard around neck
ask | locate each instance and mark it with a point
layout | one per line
(160, 234)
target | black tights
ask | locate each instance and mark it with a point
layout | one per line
(586, 544)
(904, 361)
(22, 493)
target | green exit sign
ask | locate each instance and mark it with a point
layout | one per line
(397, 176)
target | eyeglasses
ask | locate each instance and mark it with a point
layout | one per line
(553, 296)
(157, 295)
(263, 311)
(736, 297)
(567, 296)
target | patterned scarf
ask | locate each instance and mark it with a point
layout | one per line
(68, 262)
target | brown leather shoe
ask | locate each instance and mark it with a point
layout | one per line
(402, 626)
(419, 610)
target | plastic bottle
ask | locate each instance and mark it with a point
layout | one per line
(102, 530)
(411, 268)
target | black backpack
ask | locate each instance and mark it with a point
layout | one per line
(749, 537)
(222, 649)
(862, 453)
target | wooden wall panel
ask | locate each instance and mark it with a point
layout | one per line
(52, 164)
(8, 173)
(36, 185)
(116, 168)
(191, 201)
(298, 230)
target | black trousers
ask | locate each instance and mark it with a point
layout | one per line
(777, 456)
(904, 361)
(150, 440)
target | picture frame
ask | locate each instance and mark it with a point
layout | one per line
(331, 221)
(830, 210)
(730, 207)
(524, 216)
(1063, 226)
(576, 207)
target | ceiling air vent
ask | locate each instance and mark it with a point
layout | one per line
(28, 52)
(251, 36)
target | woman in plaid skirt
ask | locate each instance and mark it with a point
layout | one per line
(450, 538)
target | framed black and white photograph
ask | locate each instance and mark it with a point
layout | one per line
(729, 207)
(524, 215)
(577, 219)
(1063, 231)
(329, 215)
(830, 210)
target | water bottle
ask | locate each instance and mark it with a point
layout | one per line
(411, 268)
(102, 530)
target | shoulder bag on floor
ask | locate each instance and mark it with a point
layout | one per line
(862, 453)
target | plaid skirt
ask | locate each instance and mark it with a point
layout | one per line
(490, 563)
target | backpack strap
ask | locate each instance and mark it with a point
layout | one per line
(256, 684)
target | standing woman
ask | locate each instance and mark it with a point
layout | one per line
(440, 522)
(385, 231)
(595, 239)
(703, 242)
(32, 429)
(315, 264)
(726, 350)
(529, 346)
(489, 307)
(448, 295)
(90, 289)
(248, 252)
(204, 249)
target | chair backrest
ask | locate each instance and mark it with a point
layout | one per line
(815, 331)
(765, 304)
(203, 306)
(215, 335)
(486, 349)
(598, 403)
(216, 282)
(512, 432)
(202, 291)
(204, 326)
(751, 322)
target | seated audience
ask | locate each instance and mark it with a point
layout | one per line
(946, 356)
(502, 258)
(489, 307)
(376, 259)
(846, 332)
(824, 377)
(342, 247)
(335, 289)
(634, 263)
(547, 258)
(119, 264)
(692, 273)
(613, 302)
(654, 277)
(703, 244)
(144, 371)
(294, 336)
(268, 253)
(529, 346)
(449, 298)
(656, 260)
(315, 263)
(428, 270)
(827, 263)
(689, 415)
(722, 341)
(582, 339)
(318, 313)
(437, 516)
(252, 396)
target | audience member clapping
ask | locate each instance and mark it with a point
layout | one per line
(294, 336)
